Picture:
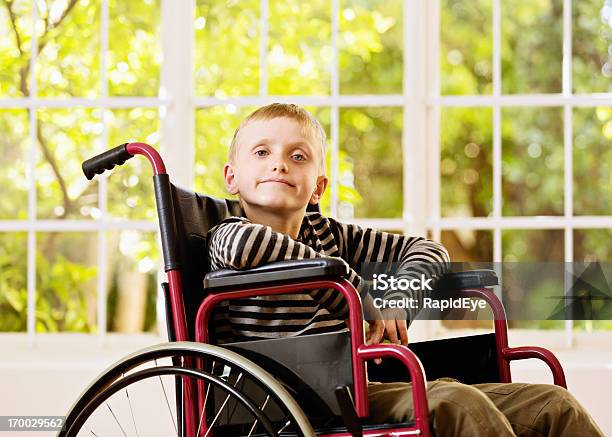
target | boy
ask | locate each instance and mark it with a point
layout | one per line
(277, 167)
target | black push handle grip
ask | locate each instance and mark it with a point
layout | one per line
(106, 161)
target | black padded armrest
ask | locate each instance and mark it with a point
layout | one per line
(468, 279)
(278, 271)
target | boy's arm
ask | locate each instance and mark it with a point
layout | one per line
(239, 244)
(414, 255)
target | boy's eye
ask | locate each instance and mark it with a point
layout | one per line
(299, 157)
(261, 152)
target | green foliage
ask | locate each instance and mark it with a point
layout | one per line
(68, 63)
(466, 49)
(299, 48)
(532, 159)
(227, 32)
(370, 47)
(14, 150)
(134, 48)
(371, 139)
(13, 285)
(299, 57)
(63, 300)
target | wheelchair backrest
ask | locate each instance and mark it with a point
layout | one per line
(195, 214)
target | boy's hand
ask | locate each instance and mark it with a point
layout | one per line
(396, 326)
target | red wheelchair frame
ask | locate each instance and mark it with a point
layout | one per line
(193, 396)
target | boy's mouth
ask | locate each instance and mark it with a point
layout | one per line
(278, 180)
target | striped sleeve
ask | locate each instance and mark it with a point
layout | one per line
(413, 256)
(238, 244)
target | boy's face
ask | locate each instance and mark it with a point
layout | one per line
(276, 167)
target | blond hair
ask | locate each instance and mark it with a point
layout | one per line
(310, 126)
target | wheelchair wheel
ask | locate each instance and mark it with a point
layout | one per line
(143, 395)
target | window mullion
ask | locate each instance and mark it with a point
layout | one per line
(335, 116)
(177, 111)
(433, 117)
(497, 146)
(414, 131)
(568, 145)
(102, 179)
(31, 265)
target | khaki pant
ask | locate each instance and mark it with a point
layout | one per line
(494, 410)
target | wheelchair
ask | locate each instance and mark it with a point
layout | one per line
(298, 386)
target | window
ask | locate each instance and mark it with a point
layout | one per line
(76, 254)
(485, 124)
(525, 154)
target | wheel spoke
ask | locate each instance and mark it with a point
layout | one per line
(167, 403)
(263, 407)
(204, 405)
(127, 395)
(89, 429)
(116, 420)
(236, 401)
(284, 426)
(222, 407)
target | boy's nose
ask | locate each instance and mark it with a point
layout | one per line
(280, 166)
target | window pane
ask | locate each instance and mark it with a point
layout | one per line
(592, 245)
(15, 154)
(592, 46)
(593, 161)
(13, 281)
(226, 32)
(132, 281)
(214, 131)
(134, 48)
(469, 245)
(466, 47)
(299, 51)
(66, 138)
(466, 166)
(130, 187)
(69, 60)
(537, 245)
(532, 161)
(370, 47)
(371, 162)
(66, 288)
(531, 46)
(16, 25)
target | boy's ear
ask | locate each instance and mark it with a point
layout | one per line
(229, 177)
(322, 182)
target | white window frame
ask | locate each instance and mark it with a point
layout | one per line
(33, 225)
(566, 99)
(420, 100)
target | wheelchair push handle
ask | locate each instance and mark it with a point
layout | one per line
(106, 161)
(118, 155)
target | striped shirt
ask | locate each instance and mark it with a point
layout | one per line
(236, 243)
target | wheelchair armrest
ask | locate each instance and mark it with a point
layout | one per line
(468, 279)
(278, 271)
(526, 352)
